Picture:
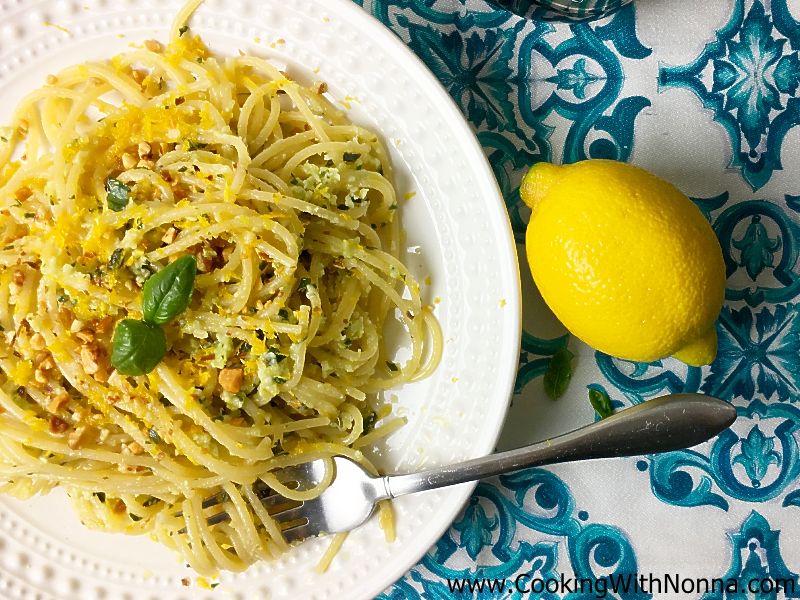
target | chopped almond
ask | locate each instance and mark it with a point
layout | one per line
(18, 277)
(231, 380)
(152, 45)
(37, 342)
(40, 376)
(48, 363)
(128, 160)
(52, 80)
(74, 438)
(135, 448)
(87, 337)
(89, 361)
(170, 235)
(103, 325)
(58, 402)
(66, 316)
(58, 425)
(238, 421)
(118, 506)
(138, 75)
(143, 150)
(23, 193)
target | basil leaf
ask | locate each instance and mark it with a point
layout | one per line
(167, 293)
(601, 403)
(138, 347)
(558, 374)
(118, 194)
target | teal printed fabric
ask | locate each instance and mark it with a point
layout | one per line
(705, 95)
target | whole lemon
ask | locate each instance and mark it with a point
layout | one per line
(624, 260)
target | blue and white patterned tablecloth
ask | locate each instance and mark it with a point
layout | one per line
(704, 94)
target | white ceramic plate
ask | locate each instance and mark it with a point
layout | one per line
(458, 234)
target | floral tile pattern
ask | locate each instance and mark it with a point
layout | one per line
(751, 85)
(623, 88)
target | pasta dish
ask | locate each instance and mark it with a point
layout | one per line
(199, 257)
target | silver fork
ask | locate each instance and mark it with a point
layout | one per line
(667, 423)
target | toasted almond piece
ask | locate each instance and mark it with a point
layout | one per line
(128, 160)
(119, 506)
(135, 448)
(170, 235)
(58, 401)
(153, 45)
(231, 380)
(85, 336)
(89, 361)
(23, 193)
(48, 363)
(18, 277)
(74, 438)
(103, 325)
(58, 425)
(37, 342)
(52, 79)
(138, 75)
(144, 150)
(76, 326)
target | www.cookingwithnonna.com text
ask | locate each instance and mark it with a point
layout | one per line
(666, 583)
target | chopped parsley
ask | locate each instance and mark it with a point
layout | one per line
(350, 156)
(116, 258)
(369, 422)
(153, 435)
(118, 194)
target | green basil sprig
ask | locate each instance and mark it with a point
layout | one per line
(601, 403)
(138, 346)
(167, 293)
(118, 194)
(558, 373)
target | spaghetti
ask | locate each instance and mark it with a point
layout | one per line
(115, 170)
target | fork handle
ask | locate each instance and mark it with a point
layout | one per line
(663, 424)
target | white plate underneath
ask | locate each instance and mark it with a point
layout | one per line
(458, 234)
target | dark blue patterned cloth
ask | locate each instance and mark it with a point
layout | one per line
(705, 95)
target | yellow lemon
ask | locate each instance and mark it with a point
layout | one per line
(624, 260)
